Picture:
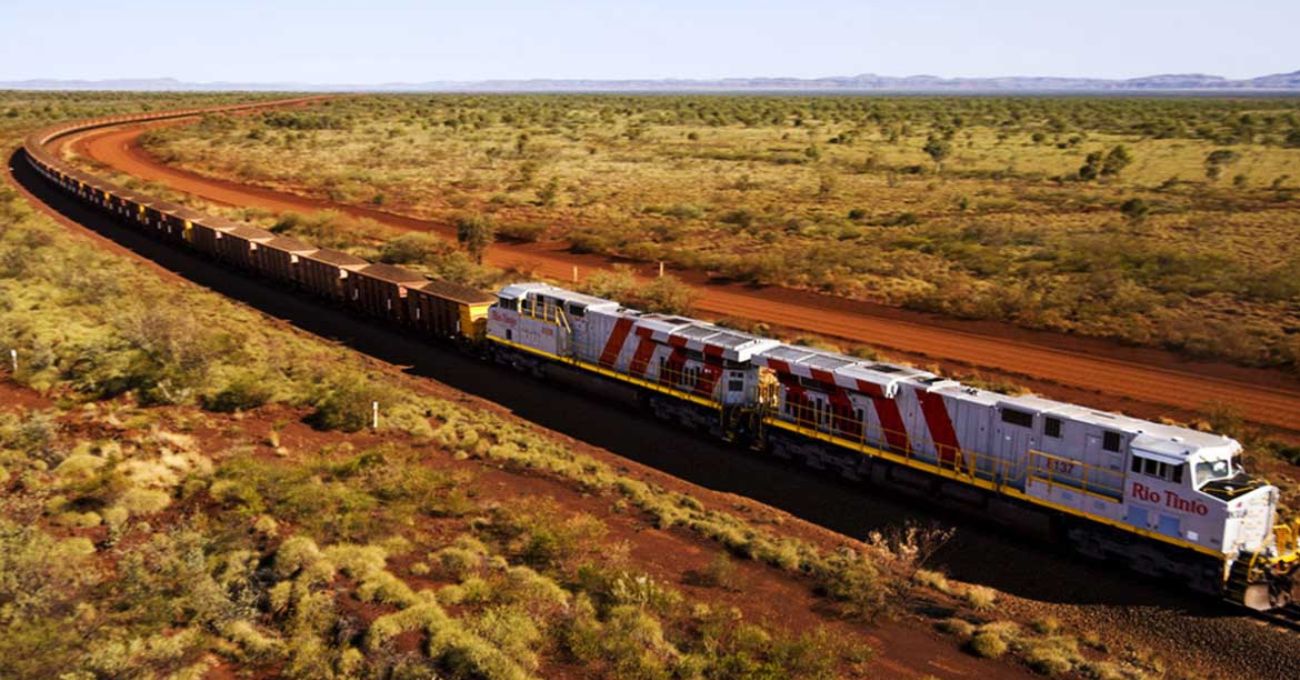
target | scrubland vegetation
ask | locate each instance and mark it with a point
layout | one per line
(1161, 221)
(193, 489)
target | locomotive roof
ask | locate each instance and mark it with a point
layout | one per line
(515, 290)
(849, 370)
(1170, 443)
(704, 333)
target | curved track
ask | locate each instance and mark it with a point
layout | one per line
(1118, 376)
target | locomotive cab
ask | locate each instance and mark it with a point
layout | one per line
(1198, 493)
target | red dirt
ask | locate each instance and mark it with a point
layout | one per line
(1117, 375)
(17, 398)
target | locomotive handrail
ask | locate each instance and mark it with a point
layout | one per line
(1110, 492)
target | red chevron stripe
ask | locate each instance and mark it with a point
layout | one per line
(709, 374)
(672, 371)
(941, 430)
(891, 419)
(614, 344)
(645, 348)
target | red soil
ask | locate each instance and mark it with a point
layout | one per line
(1117, 375)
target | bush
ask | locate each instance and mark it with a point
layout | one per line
(345, 403)
(413, 248)
(668, 295)
(523, 232)
(980, 598)
(932, 579)
(987, 645)
(475, 233)
(245, 392)
(956, 626)
(720, 572)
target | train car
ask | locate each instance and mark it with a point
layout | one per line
(279, 258)
(440, 309)
(325, 272)
(123, 202)
(381, 290)
(179, 224)
(160, 221)
(238, 246)
(207, 232)
(694, 372)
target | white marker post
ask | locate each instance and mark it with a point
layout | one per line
(661, 269)
(13, 357)
(575, 273)
(374, 415)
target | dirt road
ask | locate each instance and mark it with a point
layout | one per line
(1163, 382)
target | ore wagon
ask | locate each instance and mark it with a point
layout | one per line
(238, 246)
(325, 271)
(280, 257)
(381, 290)
(440, 309)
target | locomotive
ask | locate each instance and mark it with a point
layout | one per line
(1169, 501)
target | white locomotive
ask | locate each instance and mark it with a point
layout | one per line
(1168, 500)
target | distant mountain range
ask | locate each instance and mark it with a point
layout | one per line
(1191, 82)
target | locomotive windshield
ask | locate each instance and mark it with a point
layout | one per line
(1206, 471)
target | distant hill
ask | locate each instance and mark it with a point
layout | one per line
(867, 82)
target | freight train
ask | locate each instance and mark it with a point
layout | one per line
(1169, 501)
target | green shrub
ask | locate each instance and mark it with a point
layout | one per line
(523, 232)
(414, 248)
(720, 572)
(247, 391)
(987, 645)
(956, 626)
(346, 403)
(980, 598)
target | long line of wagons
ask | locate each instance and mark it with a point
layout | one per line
(1169, 501)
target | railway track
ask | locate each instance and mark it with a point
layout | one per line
(1287, 617)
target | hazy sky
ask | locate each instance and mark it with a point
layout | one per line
(372, 41)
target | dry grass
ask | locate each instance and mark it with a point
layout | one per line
(839, 196)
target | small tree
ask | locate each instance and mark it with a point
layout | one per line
(1217, 160)
(937, 149)
(1118, 159)
(1135, 209)
(548, 193)
(1091, 167)
(475, 233)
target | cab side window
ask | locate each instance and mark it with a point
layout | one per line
(1157, 469)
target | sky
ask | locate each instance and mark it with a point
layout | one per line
(377, 41)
